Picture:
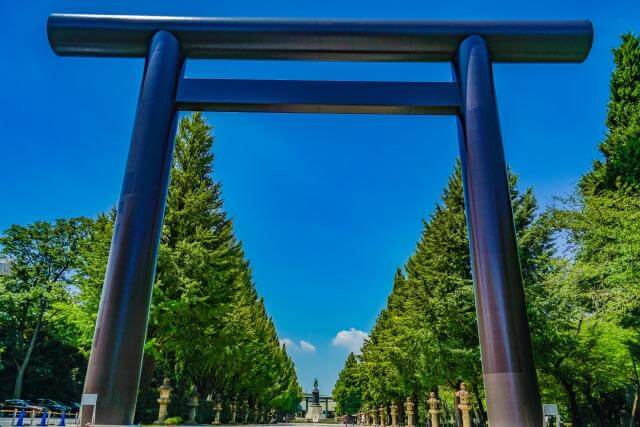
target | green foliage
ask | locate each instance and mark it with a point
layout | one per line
(427, 335)
(583, 305)
(172, 421)
(208, 328)
(43, 256)
(621, 147)
(593, 346)
(93, 252)
(588, 338)
(348, 390)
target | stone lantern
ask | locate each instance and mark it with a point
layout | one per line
(394, 414)
(256, 413)
(218, 410)
(434, 409)
(245, 407)
(408, 406)
(464, 405)
(193, 407)
(163, 400)
(383, 415)
(234, 410)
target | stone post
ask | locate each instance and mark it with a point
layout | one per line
(394, 414)
(408, 406)
(245, 409)
(464, 405)
(374, 417)
(218, 410)
(434, 409)
(163, 400)
(383, 415)
(193, 406)
(234, 410)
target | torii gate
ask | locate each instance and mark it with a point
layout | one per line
(113, 375)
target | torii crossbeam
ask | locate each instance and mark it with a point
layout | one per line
(113, 375)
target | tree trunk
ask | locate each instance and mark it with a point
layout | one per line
(576, 421)
(17, 389)
(483, 416)
(146, 389)
(601, 415)
(456, 402)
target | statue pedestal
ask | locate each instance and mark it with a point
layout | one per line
(315, 413)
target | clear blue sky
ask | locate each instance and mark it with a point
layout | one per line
(327, 206)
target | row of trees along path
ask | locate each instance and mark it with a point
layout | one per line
(580, 260)
(208, 331)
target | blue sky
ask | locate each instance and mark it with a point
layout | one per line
(327, 206)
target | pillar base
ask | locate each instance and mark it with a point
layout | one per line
(315, 412)
(508, 403)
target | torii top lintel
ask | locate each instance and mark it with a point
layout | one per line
(333, 40)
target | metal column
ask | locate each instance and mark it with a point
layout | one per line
(511, 386)
(114, 367)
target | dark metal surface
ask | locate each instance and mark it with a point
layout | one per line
(297, 96)
(352, 40)
(510, 380)
(116, 355)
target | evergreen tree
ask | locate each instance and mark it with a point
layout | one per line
(621, 147)
(207, 327)
(347, 391)
(597, 349)
(200, 265)
(207, 322)
(583, 308)
(427, 335)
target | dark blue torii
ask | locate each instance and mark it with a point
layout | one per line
(113, 374)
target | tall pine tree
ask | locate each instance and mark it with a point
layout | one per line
(599, 350)
(427, 335)
(347, 391)
(208, 328)
(621, 146)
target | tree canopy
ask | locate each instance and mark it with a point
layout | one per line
(209, 331)
(581, 272)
